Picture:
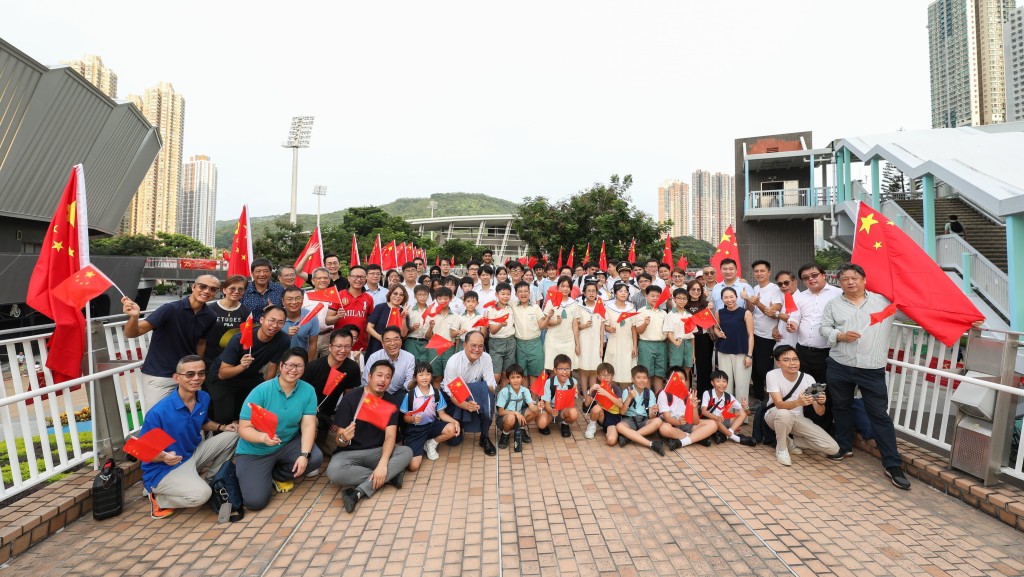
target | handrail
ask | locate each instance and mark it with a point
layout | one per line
(7, 401)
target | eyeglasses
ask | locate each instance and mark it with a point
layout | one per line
(474, 347)
(206, 288)
(193, 374)
(709, 273)
(341, 346)
(279, 323)
(566, 369)
(292, 366)
(811, 276)
(784, 282)
(234, 289)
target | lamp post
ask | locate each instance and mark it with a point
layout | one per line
(320, 191)
(298, 137)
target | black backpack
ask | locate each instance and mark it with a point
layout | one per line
(956, 227)
(226, 500)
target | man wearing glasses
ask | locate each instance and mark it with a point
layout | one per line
(708, 280)
(355, 306)
(179, 330)
(318, 373)
(237, 371)
(475, 368)
(261, 292)
(402, 361)
(811, 347)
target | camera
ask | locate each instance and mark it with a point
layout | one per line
(815, 390)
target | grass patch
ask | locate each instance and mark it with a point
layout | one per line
(84, 440)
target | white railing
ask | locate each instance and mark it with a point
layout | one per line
(29, 397)
(819, 196)
(922, 375)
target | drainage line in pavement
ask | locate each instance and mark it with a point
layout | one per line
(497, 491)
(738, 516)
(297, 525)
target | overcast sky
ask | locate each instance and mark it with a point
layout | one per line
(507, 99)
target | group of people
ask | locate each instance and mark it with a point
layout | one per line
(523, 348)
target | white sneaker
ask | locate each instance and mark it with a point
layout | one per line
(430, 447)
(313, 472)
(783, 457)
(795, 450)
(591, 430)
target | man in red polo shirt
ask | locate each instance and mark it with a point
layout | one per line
(355, 307)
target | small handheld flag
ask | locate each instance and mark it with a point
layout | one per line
(439, 344)
(334, 379)
(263, 420)
(459, 390)
(245, 334)
(376, 411)
(311, 314)
(537, 388)
(148, 446)
(565, 399)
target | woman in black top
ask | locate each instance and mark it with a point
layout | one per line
(703, 345)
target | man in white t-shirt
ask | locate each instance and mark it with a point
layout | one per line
(765, 302)
(787, 389)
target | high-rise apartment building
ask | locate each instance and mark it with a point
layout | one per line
(92, 68)
(702, 209)
(965, 51)
(155, 206)
(1013, 61)
(197, 203)
(672, 199)
(723, 214)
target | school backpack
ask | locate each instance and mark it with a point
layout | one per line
(407, 402)
(956, 227)
(552, 386)
(226, 500)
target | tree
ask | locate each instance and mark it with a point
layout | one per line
(831, 258)
(282, 242)
(604, 212)
(165, 244)
(366, 222)
(698, 252)
(895, 182)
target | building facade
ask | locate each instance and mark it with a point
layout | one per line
(92, 68)
(673, 199)
(1013, 62)
(723, 203)
(966, 56)
(197, 202)
(155, 206)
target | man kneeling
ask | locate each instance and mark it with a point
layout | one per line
(787, 387)
(367, 457)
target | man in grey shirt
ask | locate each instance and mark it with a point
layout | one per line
(857, 359)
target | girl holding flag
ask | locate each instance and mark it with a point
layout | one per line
(563, 324)
(592, 313)
(425, 422)
(620, 351)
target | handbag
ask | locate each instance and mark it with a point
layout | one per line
(108, 491)
(226, 500)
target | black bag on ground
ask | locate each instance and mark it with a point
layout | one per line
(226, 492)
(108, 491)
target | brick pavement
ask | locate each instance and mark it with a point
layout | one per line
(566, 507)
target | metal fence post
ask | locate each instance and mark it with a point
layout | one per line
(1003, 413)
(108, 436)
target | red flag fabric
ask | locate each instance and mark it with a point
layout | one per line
(565, 399)
(198, 263)
(727, 414)
(312, 314)
(624, 316)
(459, 390)
(572, 255)
(690, 412)
(224, 255)
(537, 388)
(559, 258)
(599, 308)
(453, 260)
(263, 420)
(605, 402)
(437, 261)
(353, 257)
(676, 387)
(64, 251)
(704, 319)
(241, 246)
(401, 254)
(334, 379)
(375, 253)
(531, 262)
(316, 261)
(388, 257)
(666, 255)
(666, 294)
(432, 309)
(376, 411)
(555, 296)
(426, 403)
(498, 320)
(883, 314)
(83, 286)
(689, 325)
(575, 292)
(439, 344)
(683, 263)
(490, 304)
(586, 257)
(395, 318)
(148, 446)
(483, 322)
(728, 247)
(327, 295)
(790, 303)
(602, 260)
(917, 285)
(632, 251)
(245, 333)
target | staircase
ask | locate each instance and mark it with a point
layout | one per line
(985, 236)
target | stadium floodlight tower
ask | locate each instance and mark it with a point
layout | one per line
(298, 137)
(320, 191)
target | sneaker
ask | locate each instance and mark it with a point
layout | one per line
(674, 444)
(747, 441)
(349, 499)
(430, 448)
(898, 479)
(840, 455)
(503, 441)
(313, 473)
(623, 441)
(566, 431)
(782, 456)
(591, 430)
(705, 442)
(283, 486)
(658, 447)
(158, 512)
(544, 431)
(794, 449)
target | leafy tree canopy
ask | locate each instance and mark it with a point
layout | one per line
(831, 258)
(165, 244)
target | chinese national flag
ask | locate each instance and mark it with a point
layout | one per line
(632, 252)
(65, 250)
(537, 388)
(790, 303)
(883, 314)
(690, 412)
(605, 402)
(666, 255)
(375, 253)
(245, 333)
(572, 256)
(555, 296)
(148, 446)
(490, 304)
(898, 269)
(689, 325)
(599, 308)
(459, 390)
(727, 414)
(401, 256)
(676, 387)
(389, 256)
(586, 257)
(439, 344)
(263, 420)
(241, 246)
(704, 319)
(483, 322)
(575, 292)
(498, 320)
(334, 379)
(665, 295)
(432, 310)
(531, 262)
(559, 258)
(311, 314)
(565, 399)
(683, 263)
(602, 260)
(395, 318)
(83, 286)
(353, 257)
(316, 261)
(728, 247)
(376, 411)
(327, 295)
(624, 316)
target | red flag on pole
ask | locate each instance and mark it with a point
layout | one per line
(602, 262)
(353, 257)
(599, 308)
(666, 294)
(245, 333)
(704, 319)
(666, 255)
(690, 412)
(917, 285)
(437, 261)
(459, 390)
(148, 446)
(632, 251)
(400, 254)
(728, 247)
(565, 399)
(240, 256)
(426, 403)
(624, 316)
(882, 314)
(483, 322)
(334, 378)
(316, 261)
(312, 314)
(683, 263)
(559, 258)
(83, 286)
(327, 295)
(376, 411)
(263, 420)
(375, 253)
(388, 257)
(439, 344)
(537, 388)
(64, 251)
(586, 257)
(790, 303)
(572, 256)
(676, 387)
(555, 296)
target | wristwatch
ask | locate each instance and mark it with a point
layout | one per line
(306, 455)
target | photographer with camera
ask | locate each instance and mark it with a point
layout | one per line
(790, 391)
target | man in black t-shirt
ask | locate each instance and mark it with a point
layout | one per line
(236, 371)
(318, 372)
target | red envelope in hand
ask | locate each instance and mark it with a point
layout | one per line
(148, 446)
(565, 399)
(263, 420)
(459, 390)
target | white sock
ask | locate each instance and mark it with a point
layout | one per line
(735, 438)
(686, 441)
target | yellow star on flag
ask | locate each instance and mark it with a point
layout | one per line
(890, 223)
(57, 245)
(90, 274)
(71, 212)
(71, 251)
(867, 222)
(878, 245)
(726, 238)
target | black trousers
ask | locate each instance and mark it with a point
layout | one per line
(762, 363)
(703, 350)
(813, 362)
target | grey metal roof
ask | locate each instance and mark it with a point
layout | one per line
(983, 163)
(52, 119)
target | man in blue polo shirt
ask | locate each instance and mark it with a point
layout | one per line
(179, 330)
(302, 336)
(261, 292)
(173, 478)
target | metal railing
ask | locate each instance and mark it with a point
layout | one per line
(29, 398)
(175, 263)
(819, 196)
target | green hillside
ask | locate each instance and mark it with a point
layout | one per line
(448, 204)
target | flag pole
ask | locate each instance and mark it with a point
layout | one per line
(82, 229)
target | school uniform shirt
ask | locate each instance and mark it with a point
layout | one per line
(289, 410)
(417, 399)
(559, 386)
(457, 306)
(636, 408)
(776, 382)
(509, 330)
(466, 323)
(675, 323)
(655, 331)
(514, 401)
(416, 318)
(715, 404)
(444, 322)
(486, 296)
(527, 319)
(676, 409)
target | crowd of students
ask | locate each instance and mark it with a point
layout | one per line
(517, 338)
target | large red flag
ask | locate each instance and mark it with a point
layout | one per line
(376, 411)
(632, 252)
(353, 257)
(401, 256)
(586, 257)
(565, 399)
(245, 334)
(240, 256)
(683, 263)
(148, 446)
(728, 247)
(83, 286)
(316, 261)
(602, 260)
(704, 319)
(666, 255)
(898, 269)
(389, 257)
(64, 252)
(572, 256)
(375, 253)
(559, 258)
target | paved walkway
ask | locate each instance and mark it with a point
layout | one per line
(565, 507)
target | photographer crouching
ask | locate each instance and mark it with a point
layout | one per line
(790, 391)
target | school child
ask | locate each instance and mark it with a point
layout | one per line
(516, 409)
(469, 319)
(650, 328)
(591, 337)
(561, 380)
(441, 324)
(563, 323)
(529, 320)
(424, 421)
(416, 339)
(502, 343)
(716, 402)
(641, 416)
(607, 418)
(680, 342)
(675, 429)
(620, 350)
